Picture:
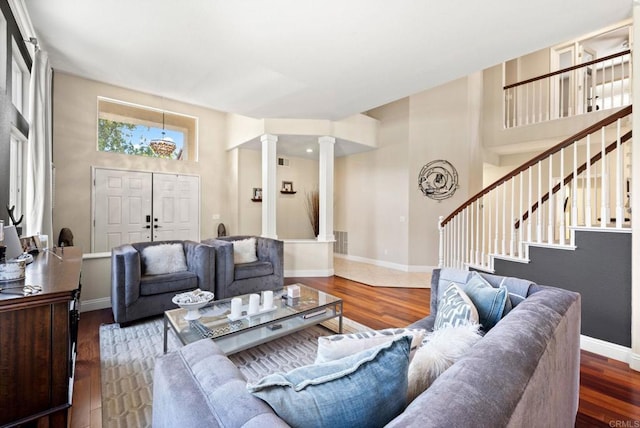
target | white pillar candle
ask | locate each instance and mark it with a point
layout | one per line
(267, 299)
(236, 307)
(254, 304)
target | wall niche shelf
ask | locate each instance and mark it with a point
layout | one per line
(288, 192)
(256, 199)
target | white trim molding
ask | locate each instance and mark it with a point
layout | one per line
(308, 273)
(389, 265)
(606, 349)
(95, 304)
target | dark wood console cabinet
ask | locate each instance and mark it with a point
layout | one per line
(38, 335)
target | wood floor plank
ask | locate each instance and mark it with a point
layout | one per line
(609, 389)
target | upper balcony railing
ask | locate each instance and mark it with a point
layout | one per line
(600, 84)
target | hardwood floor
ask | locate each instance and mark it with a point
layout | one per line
(609, 390)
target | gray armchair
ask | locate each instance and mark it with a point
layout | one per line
(135, 295)
(267, 273)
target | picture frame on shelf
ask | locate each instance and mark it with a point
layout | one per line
(287, 187)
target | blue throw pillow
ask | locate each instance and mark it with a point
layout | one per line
(454, 309)
(492, 303)
(362, 390)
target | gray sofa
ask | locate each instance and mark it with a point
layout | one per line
(267, 273)
(523, 372)
(135, 295)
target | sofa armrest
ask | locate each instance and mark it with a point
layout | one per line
(271, 250)
(224, 267)
(201, 260)
(198, 386)
(125, 278)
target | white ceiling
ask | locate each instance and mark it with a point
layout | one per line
(301, 58)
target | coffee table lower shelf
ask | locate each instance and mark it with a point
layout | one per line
(235, 343)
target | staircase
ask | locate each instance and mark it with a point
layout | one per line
(560, 200)
(582, 183)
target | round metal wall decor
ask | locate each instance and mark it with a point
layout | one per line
(438, 180)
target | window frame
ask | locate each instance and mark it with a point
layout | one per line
(20, 79)
(18, 147)
(141, 115)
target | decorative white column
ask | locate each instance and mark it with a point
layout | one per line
(325, 167)
(269, 189)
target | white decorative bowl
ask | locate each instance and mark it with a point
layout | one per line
(192, 301)
(12, 270)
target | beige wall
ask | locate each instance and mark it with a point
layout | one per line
(249, 176)
(291, 214)
(371, 194)
(292, 220)
(74, 153)
(445, 124)
(377, 198)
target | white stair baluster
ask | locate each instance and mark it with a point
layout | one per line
(529, 205)
(539, 210)
(484, 224)
(521, 214)
(495, 243)
(504, 220)
(574, 187)
(619, 171)
(587, 196)
(512, 241)
(551, 224)
(604, 202)
(561, 230)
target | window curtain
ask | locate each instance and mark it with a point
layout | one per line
(39, 166)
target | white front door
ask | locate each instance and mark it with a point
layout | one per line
(122, 208)
(176, 207)
(132, 206)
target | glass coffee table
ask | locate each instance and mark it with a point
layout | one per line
(237, 334)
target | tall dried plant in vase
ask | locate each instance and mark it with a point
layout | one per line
(312, 204)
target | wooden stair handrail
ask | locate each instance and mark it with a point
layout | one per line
(564, 70)
(561, 145)
(626, 137)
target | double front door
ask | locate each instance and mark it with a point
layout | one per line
(133, 206)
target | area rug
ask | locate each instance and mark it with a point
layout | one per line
(379, 276)
(127, 357)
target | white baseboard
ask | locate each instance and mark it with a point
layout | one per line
(606, 349)
(95, 304)
(308, 273)
(634, 362)
(389, 265)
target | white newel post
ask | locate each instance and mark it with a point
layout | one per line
(326, 188)
(440, 242)
(269, 188)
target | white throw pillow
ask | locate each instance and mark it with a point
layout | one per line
(441, 349)
(164, 258)
(244, 251)
(338, 346)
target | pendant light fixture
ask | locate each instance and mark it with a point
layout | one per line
(163, 146)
